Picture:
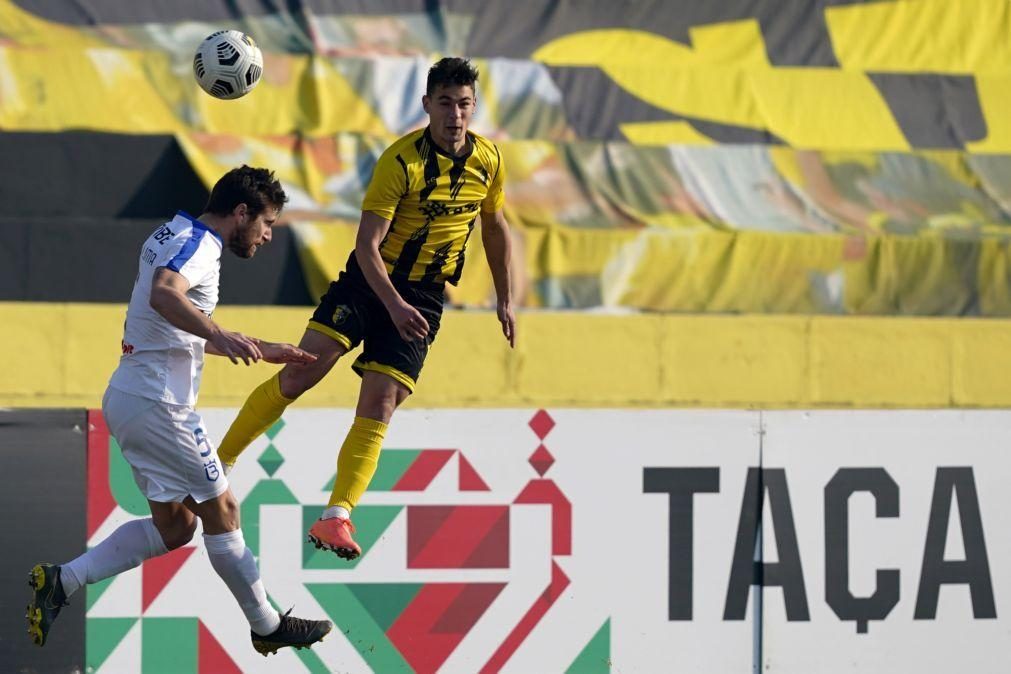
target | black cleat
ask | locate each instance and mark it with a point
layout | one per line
(47, 600)
(296, 632)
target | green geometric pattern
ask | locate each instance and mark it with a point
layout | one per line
(270, 460)
(370, 523)
(96, 590)
(266, 492)
(385, 601)
(169, 645)
(595, 657)
(101, 636)
(124, 489)
(359, 627)
(393, 463)
(275, 429)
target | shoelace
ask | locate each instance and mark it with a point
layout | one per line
(298, 626)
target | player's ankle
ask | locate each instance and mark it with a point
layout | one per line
(336, 511)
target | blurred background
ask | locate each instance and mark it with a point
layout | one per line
(748, 236)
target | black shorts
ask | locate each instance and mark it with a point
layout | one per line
(350, 313)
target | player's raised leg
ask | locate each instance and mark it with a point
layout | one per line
(356, 463)
(267, 402)
(235, 564)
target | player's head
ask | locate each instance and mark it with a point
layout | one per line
(450, 99)
(252, 198)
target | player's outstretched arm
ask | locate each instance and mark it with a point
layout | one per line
(409, 322)
(280, 353)
(168, 298)
(498, 249)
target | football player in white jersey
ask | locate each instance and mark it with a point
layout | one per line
(149, 408)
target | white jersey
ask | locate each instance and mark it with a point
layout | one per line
(160, 361)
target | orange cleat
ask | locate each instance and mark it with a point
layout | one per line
(334, 534)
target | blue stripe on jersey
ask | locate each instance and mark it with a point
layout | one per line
(186, 252)
(199, 225)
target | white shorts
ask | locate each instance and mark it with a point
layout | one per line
(167, 447)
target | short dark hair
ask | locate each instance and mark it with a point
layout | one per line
(255, 187)
(451, 71)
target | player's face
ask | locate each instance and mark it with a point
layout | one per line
(253, 232)
(449, 111)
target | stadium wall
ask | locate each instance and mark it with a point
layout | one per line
(43, 452)
(63, 354)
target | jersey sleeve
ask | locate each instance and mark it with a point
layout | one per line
(495, 199)
(388, 186)
(194, 256)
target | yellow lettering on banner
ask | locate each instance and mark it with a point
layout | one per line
(936, 36)
(725, 79)
(737, 43)
(664, 133)
(826, 108)
(705, 82)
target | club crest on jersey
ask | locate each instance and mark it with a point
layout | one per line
(340, 314)
(211, 470)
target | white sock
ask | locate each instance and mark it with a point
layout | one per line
(125, 548)
(336, 511)
(234, 562)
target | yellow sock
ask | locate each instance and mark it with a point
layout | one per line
(357, 461)
(263, 407)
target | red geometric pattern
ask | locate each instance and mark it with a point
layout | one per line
(541, 460)
(547, 492)
(158, 571)
(469, 479)
(424, 469)
(435, 622)
(542, 423)
(100, 500)
(458, 537)
(211, 656)
(559, 581)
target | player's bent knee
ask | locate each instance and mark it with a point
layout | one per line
(294, 381)
(226, 514)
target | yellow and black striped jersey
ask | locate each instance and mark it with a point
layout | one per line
(432, 201)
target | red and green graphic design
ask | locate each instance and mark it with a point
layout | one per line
(394, 626)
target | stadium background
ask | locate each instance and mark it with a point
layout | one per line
(741, 205)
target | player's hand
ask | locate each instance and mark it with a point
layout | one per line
(285, 353)
(236, 346)
(409, 322)
(508, 321)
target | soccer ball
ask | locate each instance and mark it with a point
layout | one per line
(228, 64)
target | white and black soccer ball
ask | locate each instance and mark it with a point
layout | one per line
(228, 64)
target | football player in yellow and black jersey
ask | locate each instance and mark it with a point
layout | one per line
(427, 193)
